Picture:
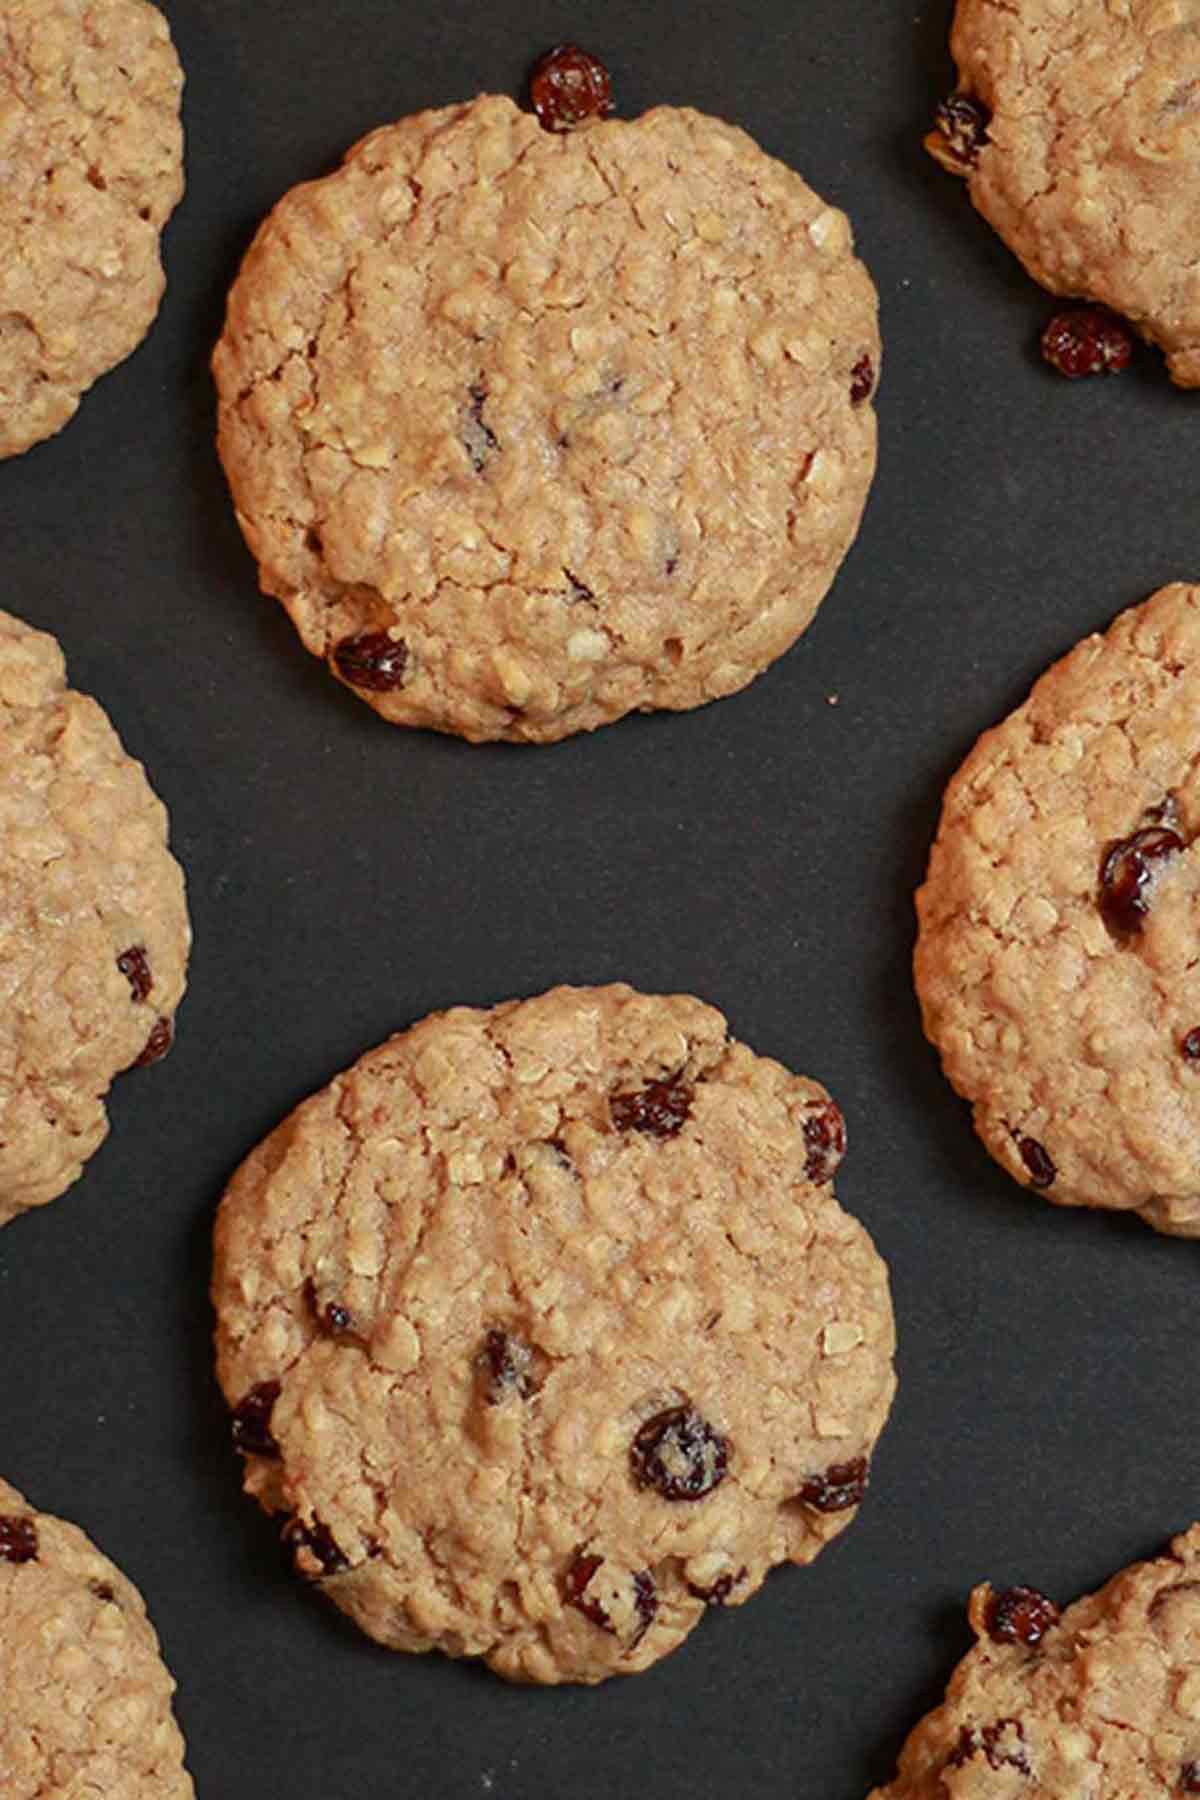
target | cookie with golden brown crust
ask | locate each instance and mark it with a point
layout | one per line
(543, 1330)
(1077, 127)
(94, 932)
(1056, 956)
(528, 430)
(87, 1699)
(1102, 1703)
(91, 158)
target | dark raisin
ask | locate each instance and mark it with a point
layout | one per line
(317, 1541)
(840, 1487)
(719, 1592)
(991, 1740)
(862, 381)
(575, 1588)
(1189, 1778)
(18, 1539)
(661, 1109)
(1020, 1615)
(824, 1141)
(960, 130)
(1189, 1046)
(1127, 872)
(333, 1318)
(508, 1367)
(479, 438)
(135, 967)
(252, 1421)
(568, 87)
(162, 1036)
(1087, 340)
(645, 1602)
(679, 1454)
(375, 662)
(103, 1590)
(1039, 1162)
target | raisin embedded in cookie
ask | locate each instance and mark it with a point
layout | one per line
(94, 931)
(543, 1332)
(1102, 1701)
(1056, 958)
(1077, 129)
(87, 1699)
(90, 169)
(529, 429)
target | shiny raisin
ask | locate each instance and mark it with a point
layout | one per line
(18, 1538)
(1127, 871)
(1189, 1046)
(376, 662)
(679, 1454)
(252, 1421)
(508, 1367)
(1039, 1162)
(316, 1541)
(660, 1110)
(162, 1036)
(824, 1141)
(569, 87)
(134, 964)
(645, 1597)
(334, 1319)
(1020, 1615)
(960, 130)
(862, 381)
(841, 1486)
(1087, 340)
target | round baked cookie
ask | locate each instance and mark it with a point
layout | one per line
(1102, 1703)
(94, 929)
(1056, 956)
(87, 1699)
(1077, 127)
(544, 1329)
(91, 156)
(529, 429)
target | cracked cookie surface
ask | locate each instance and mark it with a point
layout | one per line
(87, 1698)
(544, 1330)
(530, 430)
(1102, 1703)
(1086, 164)
(94, 930)
(1056, 957)
(91, 155)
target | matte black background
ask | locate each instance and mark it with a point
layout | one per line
(346, 878)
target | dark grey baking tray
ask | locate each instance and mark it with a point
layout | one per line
(346, 878)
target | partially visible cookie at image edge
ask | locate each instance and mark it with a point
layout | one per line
(94, 932)
(1056, 955)
(87, 1698)
(528, 429)
(543, 1331)
(91, 167)
(1102, 1700)
(1077, 128)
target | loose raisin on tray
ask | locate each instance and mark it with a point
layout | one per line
(678, 1453)
(660, 1110)
(18, 1539)
(1087, 340)
(1020, 1615)
(841, 1486)
(568, 87)
(824, 1141)
(1127, 871)
(134, 964)
(376, 662)
(252, 1420)
(960, 130)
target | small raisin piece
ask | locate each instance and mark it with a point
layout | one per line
(824, 1141)
(1039, 1162)
(103, 1590)
(960, 130)
(989, 1739)
(508, 1365)
(134, 965)
(568, 87)
(1087, 340)
(841, 1486)
(1189, 1778)
(480, 440)
(317, 1541)
(1020, 1615)
(162, 1036)
(1189, 1046)
(1127, 870)
(18, 1539)
(661, 1109)
(575, 1588)
(376, 662)
(862, 381)
(719, 1592)
(334, 1319)
(645, 1602)
(678, 1453)
(252, 1421)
